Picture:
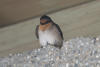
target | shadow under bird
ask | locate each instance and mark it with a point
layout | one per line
(49, 33)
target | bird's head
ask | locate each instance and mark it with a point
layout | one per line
(45, 20)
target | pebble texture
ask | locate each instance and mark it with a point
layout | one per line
(77, 52)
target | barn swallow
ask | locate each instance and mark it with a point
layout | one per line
(49, 33)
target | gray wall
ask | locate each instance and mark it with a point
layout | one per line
(12, 11)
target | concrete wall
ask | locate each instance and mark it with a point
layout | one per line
(13, 11)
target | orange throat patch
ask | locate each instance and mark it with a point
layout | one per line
(44, 27)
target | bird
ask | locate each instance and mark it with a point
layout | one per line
(49, 33)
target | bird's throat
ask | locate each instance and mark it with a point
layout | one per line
(44, 27)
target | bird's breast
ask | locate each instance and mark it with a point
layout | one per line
(46, 36)
(49, 36)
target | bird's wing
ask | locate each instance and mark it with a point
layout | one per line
(36, 31)
(59, 30)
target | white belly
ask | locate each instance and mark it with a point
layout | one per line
(50, 37)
